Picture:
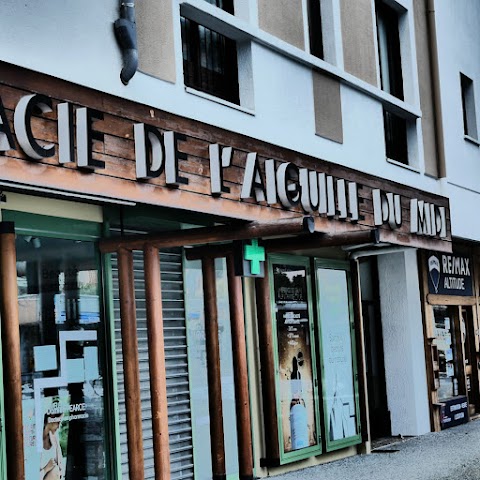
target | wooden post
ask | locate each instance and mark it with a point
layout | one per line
(130, 365)
(242, 399)
(156, 356)
(11, 353)
(213, 370)
(267, 365)
(361, 358)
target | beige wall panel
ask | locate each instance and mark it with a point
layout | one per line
(359, 39)
(284, 19)
(53, 207)
(156, 49)
(328, 107)
(425, 85)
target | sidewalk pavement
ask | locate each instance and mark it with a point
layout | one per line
(453, 454)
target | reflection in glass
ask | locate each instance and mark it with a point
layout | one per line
(339, 387)
(197, 356)
(61, 338)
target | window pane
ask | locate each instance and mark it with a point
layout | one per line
(315, 28)
(209, 61)
(339, 386)
(395, 137)
(199, 370)
(445, 343)
(468, 104)
(389, 50)
(61, 341)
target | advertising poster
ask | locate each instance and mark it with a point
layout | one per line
(46, 457)
(294, 357)
(338, 387)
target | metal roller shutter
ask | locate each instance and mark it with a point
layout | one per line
(178, 392)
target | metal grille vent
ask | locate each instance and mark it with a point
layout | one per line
(178, 393)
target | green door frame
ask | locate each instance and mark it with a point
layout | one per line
(295, 455)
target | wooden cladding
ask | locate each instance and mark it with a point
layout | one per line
(117, 179)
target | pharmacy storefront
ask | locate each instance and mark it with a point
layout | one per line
(179, 301)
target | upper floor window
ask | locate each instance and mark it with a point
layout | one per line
(391, 78)
(389, 50)
(210, 58)
(468, 106)
(315, 28)
(226, 5)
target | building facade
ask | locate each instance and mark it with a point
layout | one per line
(220, 266)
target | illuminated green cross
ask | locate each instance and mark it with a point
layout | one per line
(254, 254)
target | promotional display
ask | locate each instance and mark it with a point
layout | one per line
(336, 339)
(454, 412)
(297, 398)
(449, 274)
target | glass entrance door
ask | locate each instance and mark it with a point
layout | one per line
(62, 359)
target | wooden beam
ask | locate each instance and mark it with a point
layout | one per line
(240, 370)
(361, 356)
(130, 365)
(434, 299)
(265, 338)
(303, 242)
(11, 353)
(156, 357)
(217, 444)
(196, 236)
(321, 240)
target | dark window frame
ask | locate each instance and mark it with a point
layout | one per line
(210, 61)
(389, 17)
(389, 49)
(226, 5)
(396, 137)
(314, 13)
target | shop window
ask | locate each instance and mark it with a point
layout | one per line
(468, 107)
(210, 60)
(446, 352)
(297, 396)
(303, 368)
(315, 28)
(62, 341)
(336, 331)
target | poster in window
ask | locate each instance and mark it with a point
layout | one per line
(338, 386)
(293, 321)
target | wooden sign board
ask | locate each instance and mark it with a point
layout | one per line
(63, 137)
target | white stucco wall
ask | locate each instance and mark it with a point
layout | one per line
(404, 351)
(459, 51)
(75, 41)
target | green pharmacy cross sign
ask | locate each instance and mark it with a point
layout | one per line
(255, 255)
(249, 258)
